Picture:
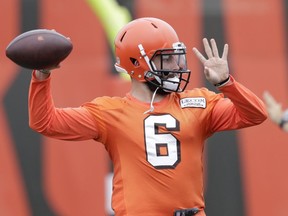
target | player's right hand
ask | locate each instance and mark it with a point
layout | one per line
(45, 73)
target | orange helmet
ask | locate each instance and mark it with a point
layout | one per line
(142, 40)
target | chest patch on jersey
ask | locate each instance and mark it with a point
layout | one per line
(199, 102)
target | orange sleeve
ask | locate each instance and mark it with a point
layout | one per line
(240, 108)
(60, 123)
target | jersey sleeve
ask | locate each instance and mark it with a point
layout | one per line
(238, 109)
(60, 123)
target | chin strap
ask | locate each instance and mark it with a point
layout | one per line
(151, 103)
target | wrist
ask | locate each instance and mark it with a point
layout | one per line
(222, 83)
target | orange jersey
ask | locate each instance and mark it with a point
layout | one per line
(157, 156)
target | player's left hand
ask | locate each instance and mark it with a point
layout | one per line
(215, 67)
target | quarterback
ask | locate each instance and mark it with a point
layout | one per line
(158, 169)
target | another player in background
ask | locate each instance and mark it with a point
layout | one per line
(276, 112)
(154, 135)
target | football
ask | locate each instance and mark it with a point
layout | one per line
(39, 49)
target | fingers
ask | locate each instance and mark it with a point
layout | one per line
(199, 55)
(214, 48)
(211, 51)
(207, 48)
(225, 52)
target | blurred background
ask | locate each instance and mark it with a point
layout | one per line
(245, 171)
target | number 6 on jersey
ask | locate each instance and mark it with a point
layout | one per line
(162, 148)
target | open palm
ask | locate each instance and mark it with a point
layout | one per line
(215, 67)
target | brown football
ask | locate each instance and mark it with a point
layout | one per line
(39, 49)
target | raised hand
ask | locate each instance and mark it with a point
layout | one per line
(215, 68)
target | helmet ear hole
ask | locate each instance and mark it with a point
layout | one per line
(135, 62)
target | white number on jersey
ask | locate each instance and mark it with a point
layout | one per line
(162, 148)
